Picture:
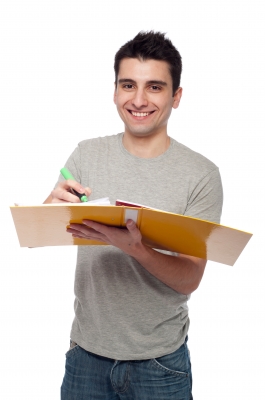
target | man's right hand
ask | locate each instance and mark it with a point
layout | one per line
(62, 193)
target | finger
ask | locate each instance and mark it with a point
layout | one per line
(80, 236)
(56, 200)
(132, 227)
(76, 189)
(88, 191)
(97, 226)
(70, 184)
(81, 228)
(60, 195)
(77, 233)
(87, 235)
(86, 238)
(134, 231)
(66, 196)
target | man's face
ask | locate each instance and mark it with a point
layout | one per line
(144, 96)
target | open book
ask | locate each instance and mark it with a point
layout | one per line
(45, 225)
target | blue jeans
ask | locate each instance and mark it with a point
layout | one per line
(92, 377)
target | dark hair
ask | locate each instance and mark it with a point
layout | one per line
(151, 45)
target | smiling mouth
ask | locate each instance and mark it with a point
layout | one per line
(140, 114)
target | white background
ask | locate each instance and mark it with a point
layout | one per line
(56, 87)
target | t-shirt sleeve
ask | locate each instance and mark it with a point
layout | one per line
(206, 199)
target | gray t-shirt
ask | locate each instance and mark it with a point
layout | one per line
(121, 310)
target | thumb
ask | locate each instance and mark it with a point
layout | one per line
(132, 228)
(130, 225)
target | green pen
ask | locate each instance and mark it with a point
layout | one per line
(67, 175)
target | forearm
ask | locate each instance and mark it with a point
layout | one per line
(181, 273)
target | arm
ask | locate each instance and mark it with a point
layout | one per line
(182, 273)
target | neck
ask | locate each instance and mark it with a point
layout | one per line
(146, 147)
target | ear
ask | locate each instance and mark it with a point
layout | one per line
(177, 97)
(115, 93)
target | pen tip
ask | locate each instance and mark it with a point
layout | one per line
(84, 199)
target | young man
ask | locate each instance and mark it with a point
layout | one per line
(129, 335)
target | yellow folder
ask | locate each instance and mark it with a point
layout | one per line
(45, 225)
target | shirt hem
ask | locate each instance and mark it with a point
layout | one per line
(125, 357)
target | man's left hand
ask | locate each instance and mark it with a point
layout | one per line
(128, 240)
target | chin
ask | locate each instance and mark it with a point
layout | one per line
(139, 132)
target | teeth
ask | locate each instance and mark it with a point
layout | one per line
(137, 114)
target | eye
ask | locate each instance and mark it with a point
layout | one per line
(155, 88)
(128, 86)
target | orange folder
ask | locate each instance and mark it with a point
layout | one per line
(45, 225)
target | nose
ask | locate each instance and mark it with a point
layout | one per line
(140, 99)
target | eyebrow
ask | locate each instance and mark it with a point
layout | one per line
(152, 82)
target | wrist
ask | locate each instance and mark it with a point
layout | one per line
(142, 253)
